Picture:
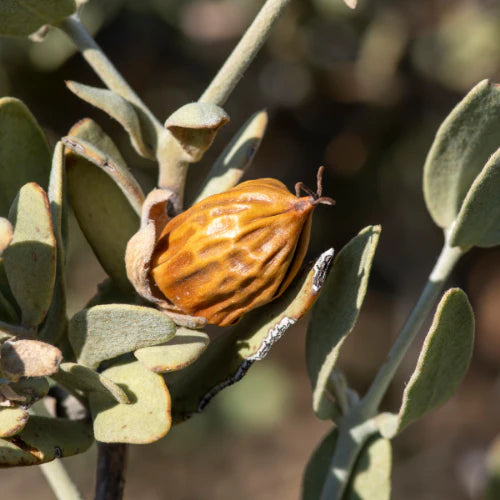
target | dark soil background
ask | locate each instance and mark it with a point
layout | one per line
(361, 92)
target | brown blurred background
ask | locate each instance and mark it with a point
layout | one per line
(363, 93)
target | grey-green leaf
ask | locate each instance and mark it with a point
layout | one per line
(118, 108)
(82, 378)
(56, 321)
(6, 233)
(318, 466)
(28, 358)
(49, 438)
(104, 213)
(31, 389)
(12, 421)
(478, 222)
(145, 419)
(492, 490)
(180, 351)
(230, 166)
(106, 331)
(30, 259)
(442, 363)
(463, 144)
(371, 476)
(7, 311)
(102, 152)
(24, 152)
(336, 311)
(23, 17)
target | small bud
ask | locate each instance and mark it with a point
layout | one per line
(195, 126)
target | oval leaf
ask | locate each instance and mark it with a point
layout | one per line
(31, 389)
(103, 212)
(118, 108)
(478, 222)
(14, 456)
(145, 419)
(103, 153)
(318, 466)
(6, 233)
(23, 17)
(371, 476)
(336, 311)
(463, 144)
(55, 323)
(106, 331)
(29, 358)
(182, 350)
(30, 259)
(82, 378)
(492, 490)
(229, 356)
(12, 421)
(230, 166)
(442, 363)
(48, 438)
(24, 152)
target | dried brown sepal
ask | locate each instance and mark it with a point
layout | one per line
(139, 252)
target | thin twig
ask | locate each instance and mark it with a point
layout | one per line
(357, 427)
(104, 68)
(243, 54)
(111, 465)
(59, 480)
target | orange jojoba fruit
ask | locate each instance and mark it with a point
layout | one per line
(235, 251)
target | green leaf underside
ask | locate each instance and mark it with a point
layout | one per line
(118, 108)
(106, 331)
(23, 17)
(24, 152)
(478, 222)
(230, 355)
(32, 388)
(492, 490)
(104, 215)
(336, 311)
(442, 363)
(6, 231)
(56, 321)
(30, 259)
(82, 378)
(44, 439)
(145, 419)
(371, 476)
(14, 456)
(317, 467)
(182, 350)
(7, 310)
(463, 144)
(228, 169)
(12, 421)
(113, 165)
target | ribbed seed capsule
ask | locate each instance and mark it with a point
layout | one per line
(234, 251)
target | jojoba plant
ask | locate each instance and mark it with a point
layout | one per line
(135, 359)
